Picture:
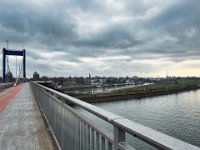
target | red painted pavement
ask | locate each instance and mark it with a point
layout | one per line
(5, 98)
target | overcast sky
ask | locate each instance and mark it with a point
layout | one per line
(104, 37)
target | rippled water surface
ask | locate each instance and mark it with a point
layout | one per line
(177, 115)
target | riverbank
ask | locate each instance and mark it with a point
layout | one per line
(76, 87)
(143, 91)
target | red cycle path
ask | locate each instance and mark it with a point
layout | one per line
(6, 97)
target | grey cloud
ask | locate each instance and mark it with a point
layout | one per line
(177, 19)
(44, 25)
(173, 33)
(113, 37)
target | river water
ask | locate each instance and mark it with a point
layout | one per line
(177, 115)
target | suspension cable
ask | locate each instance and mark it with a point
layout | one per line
(16, 67)
(8, 68)
(19, 74)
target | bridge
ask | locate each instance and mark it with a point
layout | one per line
(5, 62)
(33, 116)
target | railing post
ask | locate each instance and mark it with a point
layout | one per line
(80, 133)
(119, 136)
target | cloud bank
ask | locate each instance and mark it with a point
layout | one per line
(105, 38)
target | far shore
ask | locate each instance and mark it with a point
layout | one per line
(157, 89)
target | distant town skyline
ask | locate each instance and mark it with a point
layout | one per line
(104, 38)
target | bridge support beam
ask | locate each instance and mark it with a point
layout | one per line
(15, 53)
(24, 63)
(4, 65)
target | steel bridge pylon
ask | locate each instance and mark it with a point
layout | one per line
(15, 53)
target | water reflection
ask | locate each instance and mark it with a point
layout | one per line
(177, 115)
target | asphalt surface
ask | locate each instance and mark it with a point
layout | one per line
(22, 125)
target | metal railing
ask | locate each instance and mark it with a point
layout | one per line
(5, 85)
(73, 131)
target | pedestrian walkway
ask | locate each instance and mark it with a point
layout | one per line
(6, 97)
(22, 125)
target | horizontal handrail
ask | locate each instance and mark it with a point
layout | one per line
(5, 85)
(123, 125)
(106, 115)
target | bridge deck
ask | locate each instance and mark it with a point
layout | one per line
(22, 125)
